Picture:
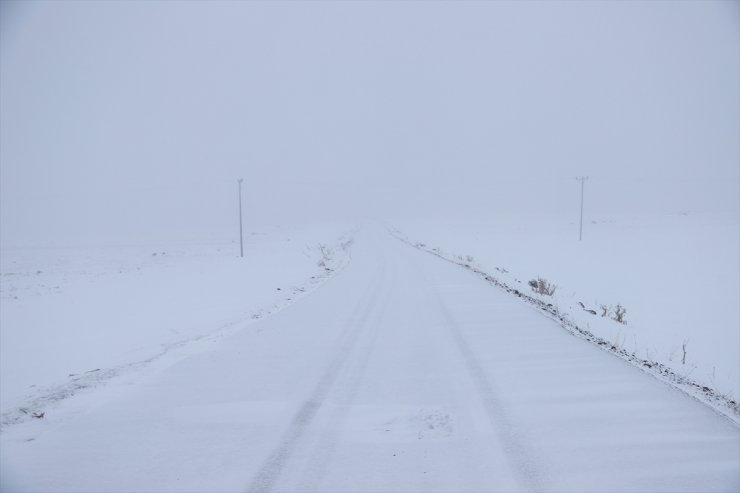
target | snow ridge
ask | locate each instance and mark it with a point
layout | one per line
(716, 400)
(331, 262)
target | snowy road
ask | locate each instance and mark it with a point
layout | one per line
(403, 373)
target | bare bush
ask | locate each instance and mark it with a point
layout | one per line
(542, 286)
(619, 313)
(604, 310)
(326, 255)
(548, 289)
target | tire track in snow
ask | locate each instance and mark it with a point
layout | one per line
(325, 447)
(357, 323)
(521, 457)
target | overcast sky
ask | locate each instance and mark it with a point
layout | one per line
(133, 120)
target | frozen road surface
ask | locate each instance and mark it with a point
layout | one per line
(402, 373)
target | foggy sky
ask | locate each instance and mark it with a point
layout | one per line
(133, 120)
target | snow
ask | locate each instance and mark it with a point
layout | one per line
(676, 274)
(72, 317)
(401, 372)
(145, 355)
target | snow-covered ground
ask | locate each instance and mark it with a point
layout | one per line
(676, 276)
(71, 318)
(402, 372)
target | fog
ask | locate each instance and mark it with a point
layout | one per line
(131, 121)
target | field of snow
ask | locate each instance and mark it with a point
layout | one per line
(401, 373)
(676, 275)
(71, 318)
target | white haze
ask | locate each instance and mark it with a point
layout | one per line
(131, 121)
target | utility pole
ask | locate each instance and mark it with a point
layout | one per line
(241, 235)
(582, 179)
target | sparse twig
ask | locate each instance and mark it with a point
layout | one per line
(619, 313)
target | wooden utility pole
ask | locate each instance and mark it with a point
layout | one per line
(241, 234)
(582, 179)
